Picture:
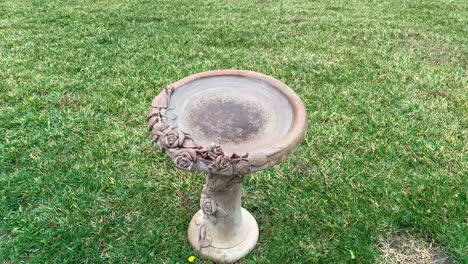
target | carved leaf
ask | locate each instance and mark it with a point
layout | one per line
(258, 159)
(152, 112)
(220, 212)
(151, 122)
(161, 101)
(171, 116)
(181, 136)
(203, 152)
(188, 143)
(203, 167)
(212, 219)
(212, 155)
(205, 242)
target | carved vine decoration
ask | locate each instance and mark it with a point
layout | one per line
(223, 169)
(188, 155)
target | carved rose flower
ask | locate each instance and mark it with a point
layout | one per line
(223, 163)
(214, 151)
(173, 138)
(242, 167)
(211, 184)
(184, 160)
(217, 150)
(208, 206)
(157, 129)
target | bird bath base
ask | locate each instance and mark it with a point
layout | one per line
(227, 238)
(256, 119)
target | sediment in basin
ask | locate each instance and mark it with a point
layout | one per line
(240, 114)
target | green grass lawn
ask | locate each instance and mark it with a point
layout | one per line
(385, 87)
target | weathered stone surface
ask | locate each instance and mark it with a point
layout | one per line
(226, 124)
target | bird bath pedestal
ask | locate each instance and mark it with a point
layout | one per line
(226, 124)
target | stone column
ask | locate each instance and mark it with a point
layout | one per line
(222, 230)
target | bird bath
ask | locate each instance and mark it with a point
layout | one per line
(226, 124)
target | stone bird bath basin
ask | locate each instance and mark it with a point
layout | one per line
(226, 124)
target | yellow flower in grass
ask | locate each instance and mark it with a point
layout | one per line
(191, 259)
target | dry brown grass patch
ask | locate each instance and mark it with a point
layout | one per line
(404, 248)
